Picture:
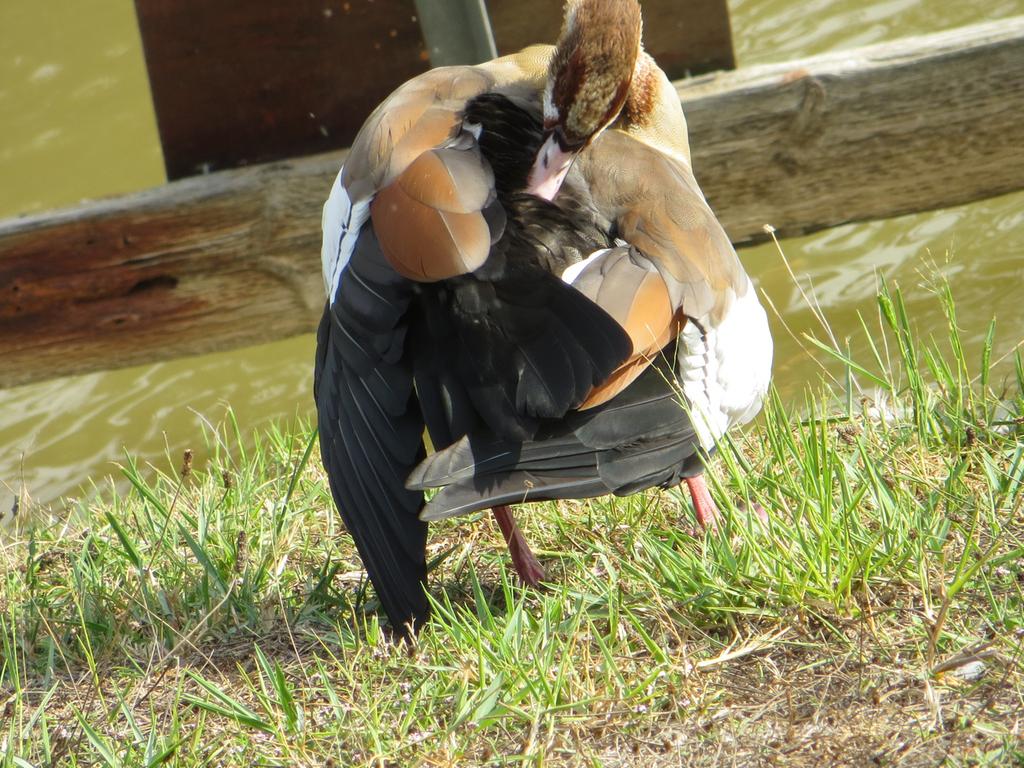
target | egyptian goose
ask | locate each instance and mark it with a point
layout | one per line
(519, 261)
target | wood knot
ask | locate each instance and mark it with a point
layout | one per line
(160, 282)
(807, 123)
(120, 320)
(787, 162)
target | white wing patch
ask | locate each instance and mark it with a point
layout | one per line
(726, 368)
(341, 222)
(573, 271)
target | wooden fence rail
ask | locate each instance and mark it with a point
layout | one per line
(232, 258)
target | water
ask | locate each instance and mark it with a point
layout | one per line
(75, 121)
(75, 115)
(777, 30)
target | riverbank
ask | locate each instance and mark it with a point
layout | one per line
(217, 615)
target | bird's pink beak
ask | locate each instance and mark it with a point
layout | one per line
(549, 169)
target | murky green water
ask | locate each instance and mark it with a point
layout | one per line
(75, 116)
(75, 121)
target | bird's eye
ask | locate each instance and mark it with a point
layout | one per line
(564, 142)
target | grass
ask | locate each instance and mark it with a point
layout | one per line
(218, 615)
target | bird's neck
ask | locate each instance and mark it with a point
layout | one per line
(642, 96)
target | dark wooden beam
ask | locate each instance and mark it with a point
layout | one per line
(239, 82)
(232, 258)
(685, 38)
(206, 263)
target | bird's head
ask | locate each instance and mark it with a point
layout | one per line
(587, 83)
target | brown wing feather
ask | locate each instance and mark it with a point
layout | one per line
(417, 117)
(429, 197)
(457, 180)
(424, 243)
(630, 288)
(659, 208)
(433, 128)
(429, 220)
(425, 111)
(688, 265)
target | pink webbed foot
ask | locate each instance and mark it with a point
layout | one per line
(525, 562)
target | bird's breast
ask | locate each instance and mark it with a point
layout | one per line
(726, 368)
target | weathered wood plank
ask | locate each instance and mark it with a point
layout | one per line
(871, 133)
(202, 264)
(233, 258)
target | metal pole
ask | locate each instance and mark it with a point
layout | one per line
(456, 31)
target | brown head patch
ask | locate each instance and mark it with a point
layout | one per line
(642, 97)
(593, 64)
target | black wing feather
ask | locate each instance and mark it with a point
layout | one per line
(504, 356)
(371, 429)
(530, 347)
(640, 439)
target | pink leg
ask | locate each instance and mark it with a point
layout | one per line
(525, 562)
(703, 505)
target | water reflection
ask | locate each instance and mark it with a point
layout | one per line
(72, 429)
(776, 30)
(75, 113)
(979, 248)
